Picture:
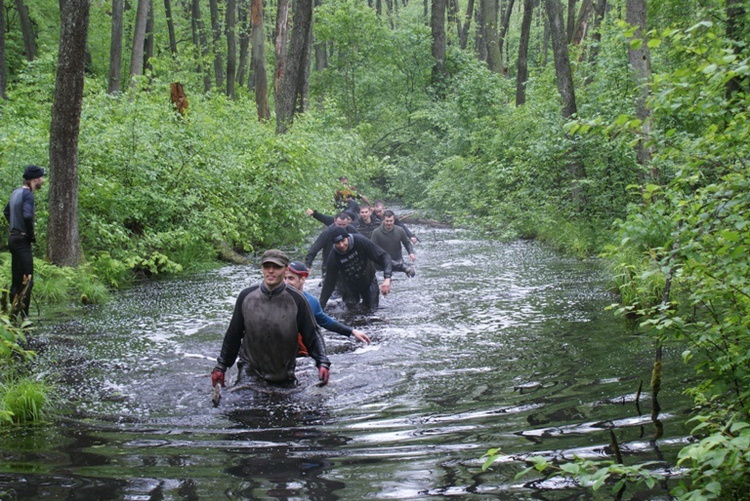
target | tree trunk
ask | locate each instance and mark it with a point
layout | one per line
(260, 79)
(115, 47)
(242, 11)
(583, 19)
(639, 58)
(523, 52)
(27, 30)
(453, 19)
(464, 37)
(231, 21)
(292, 82)
(600, 8)
(491, 38)
(504, 31)
(170, 27)
(3, 65)
(735, 23)
(139, 38)
(437, 24)
(148, 43)
(563, 73)
(63, 245)
(200, 42)
(216, 31)
(571, 20)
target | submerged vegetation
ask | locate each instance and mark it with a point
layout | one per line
(663, 195)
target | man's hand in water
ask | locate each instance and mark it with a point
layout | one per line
(385, 287)
(217, 376)
(361, 336)
(323, 374)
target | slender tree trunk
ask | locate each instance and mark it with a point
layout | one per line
(170, 27)
(639, 58)
(148, 43)
(453, 19)
(600, 8)
(735, 23)
(562, 59)
(479, 33)
(27, 30)
(571, 20)
(464, 37)
(139, 38)
(260, 79)
(583, 18)
(63, 244)
(242, 11)
(3, 64)
(115, 48)
(545, 39)
(437, 24)
(201, 43)
(290, 87)
(523, 52)
(504, 31)
(216, 31)
(491, 37)
(231, 21)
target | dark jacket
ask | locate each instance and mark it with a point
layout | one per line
(263, 331)
(20, 213)
(323, 242)
(356, 266)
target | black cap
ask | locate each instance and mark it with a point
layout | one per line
(299, 269)
(33, 172)
(338, 234)
(275, 256)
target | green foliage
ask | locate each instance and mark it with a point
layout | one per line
(12, 339)
(24, 401)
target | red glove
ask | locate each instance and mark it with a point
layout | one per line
(323, 374)
(217, 376)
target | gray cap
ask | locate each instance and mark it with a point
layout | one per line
(275, 256)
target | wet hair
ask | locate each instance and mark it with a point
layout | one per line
(377, 203)
(364, 206)
(343, 215)
(389, 213)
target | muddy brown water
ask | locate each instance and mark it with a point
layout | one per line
(491, 345)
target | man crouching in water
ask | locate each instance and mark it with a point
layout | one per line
(264, 327)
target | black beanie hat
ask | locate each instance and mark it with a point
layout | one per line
(33, 172)
(338, 234)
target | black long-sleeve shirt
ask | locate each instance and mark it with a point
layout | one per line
(20, 213)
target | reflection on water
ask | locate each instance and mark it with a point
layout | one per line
(490, 345)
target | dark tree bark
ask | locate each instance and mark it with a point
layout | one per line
(563, 73)
(27, 30)
(231, 22)
(63, 244)
(453, 19)
(504, 31)
(639, 58)
(139, 38)
(491, 38)
(170, 27)
(600, 8)
(242, 15)
(3, 64)
(523, 52)
(479, 36)
(200, 42)
(148, 43)
(571, 20)
(464, 36)
(115, 47)
(735, 20)
(291, 84)
(437, 24)
(581, 24)
(216, 43)
(260, 79)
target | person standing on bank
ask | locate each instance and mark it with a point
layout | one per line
(20, 213)
(391, 237)
(353, 259)
(265, 324)
(295, 276)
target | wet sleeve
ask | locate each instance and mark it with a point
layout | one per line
(329, 282)
(311, 336)
(326, 220)
(28, 216)
(380, 256)
(233, 337)
(325, 321)
(317, 246)
(407, 243)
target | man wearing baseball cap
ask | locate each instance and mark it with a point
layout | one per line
(20, 213)
(263, 331)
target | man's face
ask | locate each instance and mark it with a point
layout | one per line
(389, 222)
(273, 274)
(37, 183)
(341, 223)
(379, 209)
(342, 246)
(364, 214)
(294, 280)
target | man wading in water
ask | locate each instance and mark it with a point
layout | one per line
(266, 321)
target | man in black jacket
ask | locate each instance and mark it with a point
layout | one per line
(264, 328)
(323, 242)
(353, 259)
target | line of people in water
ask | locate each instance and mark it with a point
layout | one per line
(276, 320)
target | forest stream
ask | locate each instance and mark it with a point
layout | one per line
(491, 345)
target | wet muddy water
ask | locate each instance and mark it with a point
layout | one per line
(491, 345)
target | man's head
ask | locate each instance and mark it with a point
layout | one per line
(340, 239)
(344, 180)
(33, 176)
(378, 208)
(389, 220)
(342, 219)
(273, 262)
(364, 213)
(296, 274)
